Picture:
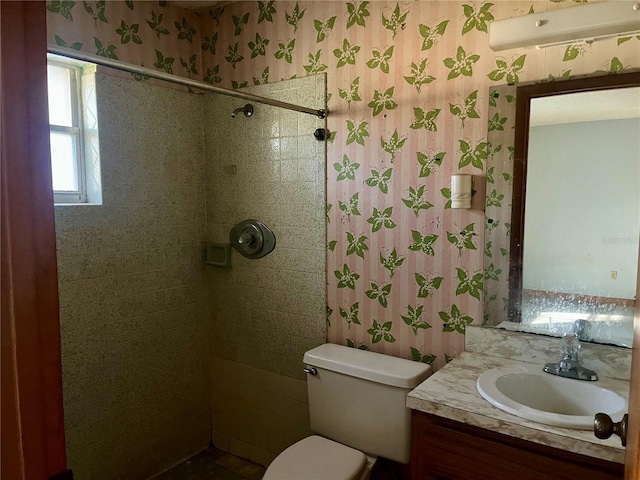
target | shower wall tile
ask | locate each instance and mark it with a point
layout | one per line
(257, 414)
(265, 313)
(134, 349)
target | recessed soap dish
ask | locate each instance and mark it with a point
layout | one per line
(218, 254)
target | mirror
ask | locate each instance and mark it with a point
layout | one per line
(562, 207)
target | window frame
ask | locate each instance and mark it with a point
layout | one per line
(76, 130)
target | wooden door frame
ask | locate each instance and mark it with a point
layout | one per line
(632, 455)
(33, 444)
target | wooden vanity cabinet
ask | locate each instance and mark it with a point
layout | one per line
(443, 449)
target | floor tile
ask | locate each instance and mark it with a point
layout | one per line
(213, 464)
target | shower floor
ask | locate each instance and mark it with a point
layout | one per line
(213, 464)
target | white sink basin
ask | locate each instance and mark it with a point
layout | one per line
(530, 393)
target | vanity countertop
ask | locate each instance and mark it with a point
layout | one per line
(451, 393)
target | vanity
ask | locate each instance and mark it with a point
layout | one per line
(560, 254)
(458, 435)
(545, 283)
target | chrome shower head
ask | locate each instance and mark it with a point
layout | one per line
(247, 110)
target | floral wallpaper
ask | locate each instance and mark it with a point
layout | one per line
(153, 34)
(499, 187)
(408, 97)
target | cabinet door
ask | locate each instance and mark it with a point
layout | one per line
(447, 450)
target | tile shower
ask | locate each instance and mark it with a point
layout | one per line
(156, 345)
(266, 313)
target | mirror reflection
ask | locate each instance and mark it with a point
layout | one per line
(571, 262)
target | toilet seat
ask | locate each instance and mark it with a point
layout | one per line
(317, 458)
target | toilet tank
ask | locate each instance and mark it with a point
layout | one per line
(358, 398)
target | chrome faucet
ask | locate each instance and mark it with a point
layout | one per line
(569, 366)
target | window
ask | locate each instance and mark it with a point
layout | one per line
(68, 130)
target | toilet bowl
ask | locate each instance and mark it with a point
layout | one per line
(318, 458)
(356, 405)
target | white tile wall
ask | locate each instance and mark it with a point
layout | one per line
(134, 350)
(256, 414)
(138, 306)
(266, 313)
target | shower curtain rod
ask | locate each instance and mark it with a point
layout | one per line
(149, 72)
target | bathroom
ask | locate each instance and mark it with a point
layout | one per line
(219, 363)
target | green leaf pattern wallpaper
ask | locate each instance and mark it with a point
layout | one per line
(497, 228)
(408, 95)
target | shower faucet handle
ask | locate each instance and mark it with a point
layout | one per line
(252, 238)
(246, 238)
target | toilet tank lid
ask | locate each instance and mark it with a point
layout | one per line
(376, 367)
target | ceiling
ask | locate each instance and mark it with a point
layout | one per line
(586, 106)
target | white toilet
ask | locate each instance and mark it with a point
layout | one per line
(357, 404)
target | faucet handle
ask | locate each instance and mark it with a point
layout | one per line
(582, 329)
(570, 346)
